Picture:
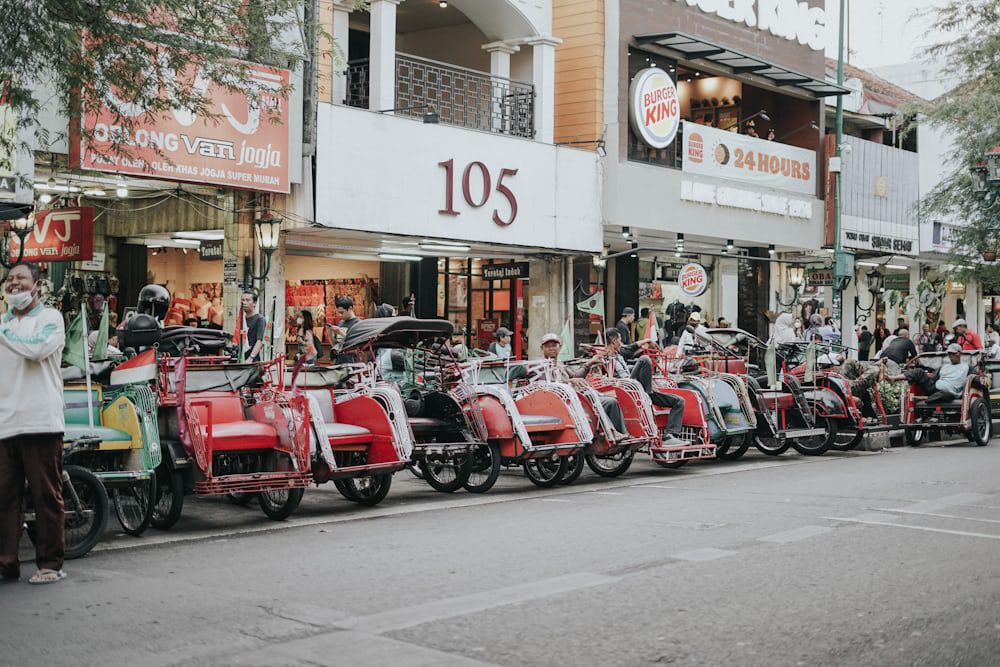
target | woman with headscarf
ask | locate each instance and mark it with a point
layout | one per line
(784, 329)
(815, 324)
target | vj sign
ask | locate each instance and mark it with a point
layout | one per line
(487, 190)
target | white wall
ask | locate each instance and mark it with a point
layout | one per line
(380, 173)
(457, 45)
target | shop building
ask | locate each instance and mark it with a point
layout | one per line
(436, 178)
(711, 116)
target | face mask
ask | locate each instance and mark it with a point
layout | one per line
(20, 300)
(299, 321)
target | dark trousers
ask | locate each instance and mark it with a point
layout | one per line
(925, 383)
(36, 458)
(614, 412)
(642, 373)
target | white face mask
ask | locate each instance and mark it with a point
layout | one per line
(299, 321)
(20, 300)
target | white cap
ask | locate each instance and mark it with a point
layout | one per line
(959, 323)
(695, 316)
(551, 338)
(954, 348)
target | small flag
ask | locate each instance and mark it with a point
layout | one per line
(652, 333)
(73, 352)
(771, 364)
(566, 353)
(100, 351)
(810, 361)
(140, 368)
(593, 304)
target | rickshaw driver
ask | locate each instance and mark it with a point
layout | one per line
(947, 383)
(551, 345)
(642, 372)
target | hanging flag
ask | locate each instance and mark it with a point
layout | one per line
(140, 368)
(593, 304)
(771, 364)
(652, 333)
(810, 361)
(600, 338)
(100, 351)
(566, 352)
(73, 352)
(240, 336)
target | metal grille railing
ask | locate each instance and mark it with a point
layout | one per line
(459, 96)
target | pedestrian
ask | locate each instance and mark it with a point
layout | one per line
(815, 324)
(385, 310)
(624, 325)
(348, 320)
(899, 349)
(784, 331)
(501, 347)
(829, 332)
(642, 324)
(308, 350)
(900, 324)
(864, 344)
(927, 341)
(969, 340)
(254, 325)
(32, 337)
(942, 331)
(880, 334)
(689, 336)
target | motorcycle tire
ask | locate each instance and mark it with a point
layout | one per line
(278, 504)
(771, 446)
(447, 477)
(170, 497)
(345, 490)
(915, 437)
(735, 447)
(574, 468)
(545, 472)
(817, 445)
(134, 505)
(611, 466)
(484, 469)
(84, 525)
(982, 425)
(371, 491)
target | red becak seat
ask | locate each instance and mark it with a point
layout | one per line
(224, 427)
(778, 401)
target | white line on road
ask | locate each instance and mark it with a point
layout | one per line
(795, 535)
(555, 500)
(700, 555)
(606, 493)
(407, 617)
(940, 516)
(946, 501)
(655, 486)
(963, 533)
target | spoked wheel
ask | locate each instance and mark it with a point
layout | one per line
(278, 504)
(241, 499)
(611, 466)
(169, 497)
(484, 468)
(85, 507)
(415, 471)
(134, 505)
(671, 465)
(446, 477)
(915, 436)
(574, 468)
(982, 426)
(345, 490)
(370, 489)
(734, 447)
(545, 472)
(770, 445)
(847, 439)
(816, 445)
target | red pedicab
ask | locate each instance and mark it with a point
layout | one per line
(968, 414)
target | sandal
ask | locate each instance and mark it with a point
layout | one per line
(46, 576)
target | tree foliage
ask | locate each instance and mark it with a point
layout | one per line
(970, 115)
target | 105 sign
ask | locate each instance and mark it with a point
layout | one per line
(480, 173)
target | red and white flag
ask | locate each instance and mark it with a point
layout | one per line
(651, 331)
(140, 368)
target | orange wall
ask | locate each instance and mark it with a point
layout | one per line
(579, 105)
(320, 268)
(171, 267)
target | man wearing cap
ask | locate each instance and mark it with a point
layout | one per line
(968, 340)
(947, 383)
(501, 347)
(695, 326)
(624, 325)
(551, 346)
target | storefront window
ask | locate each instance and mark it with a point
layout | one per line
(638, 150)
(476, 307)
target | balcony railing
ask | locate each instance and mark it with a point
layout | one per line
(459, 96)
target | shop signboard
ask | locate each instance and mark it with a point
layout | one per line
(793, 21)
(896, 281)
(654, 107)
(693, 279)
(94, 264)
(235, 143)
(485, 333)
(59, 235)
(210, 250)
(505, 271)
(822, 277)
(709, 151)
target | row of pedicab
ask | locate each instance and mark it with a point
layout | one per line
(180, 417)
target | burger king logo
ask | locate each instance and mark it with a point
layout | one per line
(696, 148)
(693, 279)
(655, 110)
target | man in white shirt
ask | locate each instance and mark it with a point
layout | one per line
(948, 382)
(695, 327)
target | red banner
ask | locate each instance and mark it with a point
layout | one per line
(234, 144)
(60, 235)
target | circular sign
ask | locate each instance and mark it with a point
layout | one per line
(654, 109)
(693, 279)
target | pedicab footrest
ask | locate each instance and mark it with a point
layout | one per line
(694, 452)
(253, 483)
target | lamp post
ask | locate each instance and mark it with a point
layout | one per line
(985, 176)
(876, 285)
(267, 232)
(796, 279)
(843, 264)
(19, 227)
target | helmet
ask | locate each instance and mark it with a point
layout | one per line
(141, 330)
(154, 300)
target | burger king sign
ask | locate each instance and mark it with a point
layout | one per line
(693, 279)
(655, 110)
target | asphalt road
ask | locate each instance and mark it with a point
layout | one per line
(856, 559)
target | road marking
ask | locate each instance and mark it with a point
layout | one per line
(701, 555)
(606, 493)
(555, 500)
(795, 535)
(963, 533)
(940, 516)
(946, 501)
(407, 617)
(656, 486)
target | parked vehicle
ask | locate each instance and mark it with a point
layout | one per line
(969, 414)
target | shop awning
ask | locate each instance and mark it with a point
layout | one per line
(694, 48)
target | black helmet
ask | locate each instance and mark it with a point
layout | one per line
(141, 330)
(154, 300)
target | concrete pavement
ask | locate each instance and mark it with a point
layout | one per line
(846, 559)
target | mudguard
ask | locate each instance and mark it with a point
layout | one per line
(826, 401)
(174, 455)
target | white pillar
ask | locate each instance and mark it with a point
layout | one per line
(974, 306)
(500, 53)
(848, 335)
(916, 324)
(341, 37)
(382, 73)
(543, 77)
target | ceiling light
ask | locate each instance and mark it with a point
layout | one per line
(866, 264)
(51, 183)
(94, 192)
(899, 267)
(445, 247)
(122, 189)
(201, 236)
(187, 242)
(729, 245)
(770, 249)
(45, 198)
(400, 258)
(677, 253)
(443, 4)
(626, 231)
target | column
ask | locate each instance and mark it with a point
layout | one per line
(543, 77)
(916, 317)
(545, 298)
(238, 244)
(341, 37)
(382, 72)
(500, 53)
(974, 306)
(848, 335)
(727, 299)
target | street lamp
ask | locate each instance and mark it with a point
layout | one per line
(796, 278)
(876, 285)
(19, 227)
(986, 179)
(267, 232)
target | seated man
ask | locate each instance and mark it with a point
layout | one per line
(642, 372)
(947, 383)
